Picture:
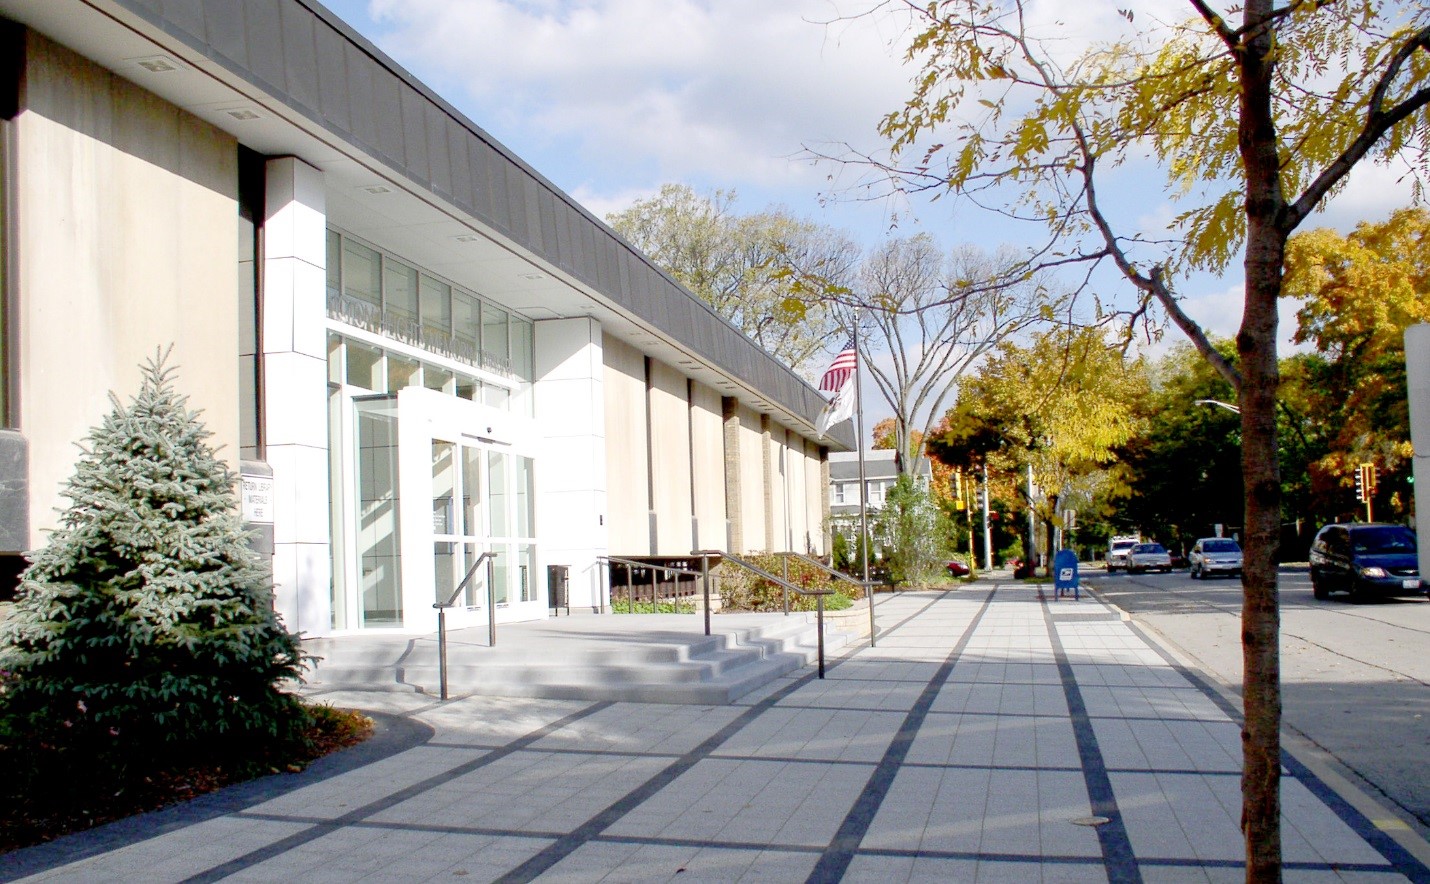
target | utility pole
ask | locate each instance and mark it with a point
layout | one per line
(1032, 523)
(987, 530)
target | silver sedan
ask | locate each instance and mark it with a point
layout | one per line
(1149, 557)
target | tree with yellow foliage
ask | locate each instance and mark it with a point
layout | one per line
(1255, 113)
(1058, 408)
(1361, 291)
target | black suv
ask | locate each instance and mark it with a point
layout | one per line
(1365, 560)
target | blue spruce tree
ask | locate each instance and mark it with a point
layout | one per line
(144, 631)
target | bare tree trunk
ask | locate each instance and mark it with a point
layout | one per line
(1256, 346)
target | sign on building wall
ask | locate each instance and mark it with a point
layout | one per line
(258, 499)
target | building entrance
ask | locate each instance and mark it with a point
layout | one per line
(433, 483)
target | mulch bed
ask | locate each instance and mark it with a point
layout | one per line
(22, 823)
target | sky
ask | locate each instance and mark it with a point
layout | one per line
(610, 99)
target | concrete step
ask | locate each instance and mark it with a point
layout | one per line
(656, 666)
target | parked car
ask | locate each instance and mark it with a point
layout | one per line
(1215, 555)
(1365, 560)
(1148, 557)
(956, 569)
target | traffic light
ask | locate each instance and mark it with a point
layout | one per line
(1365, 482)
(1365, 488)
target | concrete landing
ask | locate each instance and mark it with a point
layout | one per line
(651, 658)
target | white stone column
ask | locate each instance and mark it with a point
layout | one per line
(295, 391)
(571, 472)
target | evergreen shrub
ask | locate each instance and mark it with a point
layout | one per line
(143, 633)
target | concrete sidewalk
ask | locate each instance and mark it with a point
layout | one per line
(989, 736)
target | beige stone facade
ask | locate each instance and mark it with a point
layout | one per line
(126, 246)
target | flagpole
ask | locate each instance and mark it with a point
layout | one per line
(865, 542)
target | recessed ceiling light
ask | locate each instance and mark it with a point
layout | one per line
(376, 188)
(533, 276)
(157, 64)
(243, 114)
(466, 237)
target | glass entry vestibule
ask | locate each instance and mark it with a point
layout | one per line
(423, 483)
(481, 503)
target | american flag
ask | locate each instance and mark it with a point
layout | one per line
(840, 370)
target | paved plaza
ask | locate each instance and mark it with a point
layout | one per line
(989, 736)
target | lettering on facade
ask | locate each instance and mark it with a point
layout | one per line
(370, 317)
(257, 494)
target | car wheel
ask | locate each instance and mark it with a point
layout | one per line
(1358, 595)
(1318, 588)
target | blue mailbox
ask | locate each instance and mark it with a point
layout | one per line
(1065, 574)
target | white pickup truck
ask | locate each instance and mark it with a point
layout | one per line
(1118, 549)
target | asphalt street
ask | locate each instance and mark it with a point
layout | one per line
(1355, 678)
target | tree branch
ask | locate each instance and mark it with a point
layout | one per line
(1219, 26)
(1378, 122)
(1153, 283)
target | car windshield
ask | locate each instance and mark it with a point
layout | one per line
(1220, 546)
(1122, 544)
(1380, 541)
(1148, 548)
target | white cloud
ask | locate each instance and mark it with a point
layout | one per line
(1372, 192)
(693, 90)
(611, 98)
(1219, 312)
(603, 204)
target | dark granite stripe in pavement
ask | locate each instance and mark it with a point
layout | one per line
(1117, 856)
(836, 858)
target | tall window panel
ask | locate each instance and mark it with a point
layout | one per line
(362, 273)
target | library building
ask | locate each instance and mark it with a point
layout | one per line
(413, 349)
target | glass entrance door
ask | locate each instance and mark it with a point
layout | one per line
(379, 588)
(457, 528)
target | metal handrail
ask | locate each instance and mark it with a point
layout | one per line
(451, 602)
(866, 585)
(630, 590)
(785, 585)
